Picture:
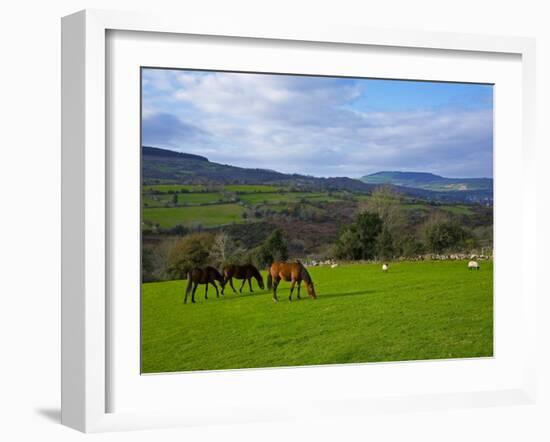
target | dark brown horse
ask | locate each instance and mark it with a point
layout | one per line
(245, 272)
(295, 272)
(208, 275)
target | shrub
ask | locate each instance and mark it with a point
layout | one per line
(273, 249)
(359, 239)
(444, 235)
(189, 252)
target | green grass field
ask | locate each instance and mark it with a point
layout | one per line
(206, 216)
(172, 188)
(285, 197)
(418, 310)
(251, 188)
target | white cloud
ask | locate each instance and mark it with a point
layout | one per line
(294, 124)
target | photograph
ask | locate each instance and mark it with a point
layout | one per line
(301, 220)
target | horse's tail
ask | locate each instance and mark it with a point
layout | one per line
(189, 284)
(269, 279)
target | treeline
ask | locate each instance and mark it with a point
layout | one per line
(381, 229)
(173, 259)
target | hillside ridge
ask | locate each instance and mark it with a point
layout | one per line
(163, 165)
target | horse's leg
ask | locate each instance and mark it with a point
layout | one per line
(292, 284)
(206, 291)
(216, 287)
(231, 284)
(242, 285)
(275, 284)
(250, 285)
(194, 290)
(299, 285)
(187, 290)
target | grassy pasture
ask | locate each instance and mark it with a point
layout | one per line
(418, 310)
(207, 216)
(251, 188)
(284, 197)
(173, 188)
(183, 198)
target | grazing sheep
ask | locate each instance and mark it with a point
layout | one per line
(385, 267)
(473, 265)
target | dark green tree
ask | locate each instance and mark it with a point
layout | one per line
(273, 249)
(359, 239)
(384, 245)
(369, 226)
(348, 245)
(444, 235)
(189, 252)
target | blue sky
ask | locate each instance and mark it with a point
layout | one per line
(321, 126)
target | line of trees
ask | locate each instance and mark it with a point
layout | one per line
(381, 231)
(201, 249)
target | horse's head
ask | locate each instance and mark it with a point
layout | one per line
(260, 280)
(255, 273)
(311, 290)
(217, 275)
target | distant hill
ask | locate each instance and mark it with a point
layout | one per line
(170, 166)
(162, 165)
(157, 152)
(429, 181)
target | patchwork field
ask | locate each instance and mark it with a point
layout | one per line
(418, 310)
(169, 205)
(207, 216)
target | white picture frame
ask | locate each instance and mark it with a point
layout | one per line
(86, 353)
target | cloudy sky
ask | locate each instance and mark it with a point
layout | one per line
(321, 126)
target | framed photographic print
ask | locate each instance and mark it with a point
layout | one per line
(250, 213)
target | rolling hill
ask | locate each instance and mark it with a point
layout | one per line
(162, 166)
(429, 181)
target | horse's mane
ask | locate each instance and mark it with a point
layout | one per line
(255, 272)
(215, 271)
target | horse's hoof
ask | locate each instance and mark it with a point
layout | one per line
(274, 300)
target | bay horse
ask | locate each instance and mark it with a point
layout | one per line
(245, 272)
(207, 275)
(295, 272)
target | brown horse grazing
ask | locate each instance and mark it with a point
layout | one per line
(208, 275)
(295, 272)
(245, 272)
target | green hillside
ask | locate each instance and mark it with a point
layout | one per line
(429, 181)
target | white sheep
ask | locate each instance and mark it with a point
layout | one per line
(473, 265)
(385, 267)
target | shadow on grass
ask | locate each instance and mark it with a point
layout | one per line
(281, 295)
(341, 295)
